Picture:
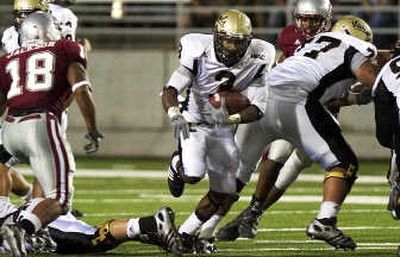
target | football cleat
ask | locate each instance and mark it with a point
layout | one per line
(42, 242)
(175, 181)
(168, 237)
(248, 225)
(330, 234)
(230, 232)
(195, 245)
(207, 245)
(13, 237)
(394, 199)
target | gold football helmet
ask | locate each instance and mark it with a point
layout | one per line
(355, 27)
(24, 7)
(232, 36)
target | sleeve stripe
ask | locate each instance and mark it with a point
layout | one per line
(79, 84)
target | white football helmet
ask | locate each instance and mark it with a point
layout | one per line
(38, 27)
(313, 16)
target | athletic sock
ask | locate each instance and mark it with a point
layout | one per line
(192, 224)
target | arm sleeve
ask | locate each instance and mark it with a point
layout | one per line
(180, 79)
(257, 93)
(73, 52)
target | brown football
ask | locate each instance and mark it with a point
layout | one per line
(235, 101)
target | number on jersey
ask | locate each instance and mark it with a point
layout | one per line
(39, 74)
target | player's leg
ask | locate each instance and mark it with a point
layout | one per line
(20, 186)
(187, 165)
(269, 169)
(319, 136)
(287, 175)
(50, 161)
(74, 236)
(222, 159)
(268, 193)
(394, 181)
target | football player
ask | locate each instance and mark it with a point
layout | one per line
(281, 164)
(66, 22)
(10, 42)
(35, 80)
(230, 59)
(386, 100)
(294, 112)
(68, 235)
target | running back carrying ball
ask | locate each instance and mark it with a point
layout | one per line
(235, 101)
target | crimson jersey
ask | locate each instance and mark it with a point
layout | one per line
(35, 76)
(289, 39)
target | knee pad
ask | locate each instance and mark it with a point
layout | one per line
(349, 174)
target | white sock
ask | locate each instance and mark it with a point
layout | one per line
(328, 209)
(190, 225)
(208, 228)
(36, 222)
(133, 229)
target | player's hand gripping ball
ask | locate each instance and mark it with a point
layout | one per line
(234, 101)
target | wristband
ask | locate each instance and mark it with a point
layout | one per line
(234, 118)
(173, 111)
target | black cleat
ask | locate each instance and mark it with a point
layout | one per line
(330, 234)
(175, 181)
(394, 201)
(249, 223)
(230, 232)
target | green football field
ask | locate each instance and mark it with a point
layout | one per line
(118, 190)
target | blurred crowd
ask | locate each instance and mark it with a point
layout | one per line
(376, 19)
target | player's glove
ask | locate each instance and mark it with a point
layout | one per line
(178, 122)
(94, 142)
(219, 115)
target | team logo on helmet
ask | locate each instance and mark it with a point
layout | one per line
(355, 27)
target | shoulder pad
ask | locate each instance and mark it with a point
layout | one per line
(262, 50)
(192, 46)
(365, 48)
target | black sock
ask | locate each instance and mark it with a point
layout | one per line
(328, 221)
(147, 225)
(27, 226)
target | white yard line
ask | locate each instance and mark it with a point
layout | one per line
(127, 173)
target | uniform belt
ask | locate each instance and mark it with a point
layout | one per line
(200, 124)
(27, 117)
(19, 113)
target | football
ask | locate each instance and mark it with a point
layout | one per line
(235, 101)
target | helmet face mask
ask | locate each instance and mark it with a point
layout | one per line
(232, 36)
(355, 27)
(312, 16)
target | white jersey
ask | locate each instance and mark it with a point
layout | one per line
(10, 39)
(389, 77)
(198, 55)
(328, 58)
(65, 19)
